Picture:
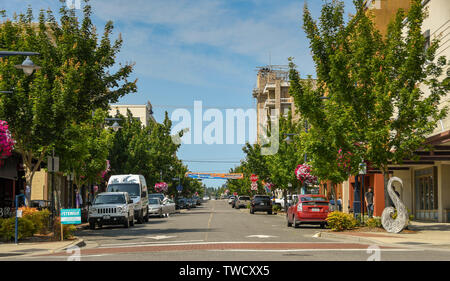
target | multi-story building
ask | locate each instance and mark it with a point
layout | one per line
(383, 11)
(426, 189)
(142, 112)
(272, 95)
(426, 184)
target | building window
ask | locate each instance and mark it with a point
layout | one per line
(426, 189)
(426, 35)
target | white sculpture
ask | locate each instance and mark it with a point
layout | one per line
(401, 221)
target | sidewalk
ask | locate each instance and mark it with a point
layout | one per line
(420, 235)
(37, 248)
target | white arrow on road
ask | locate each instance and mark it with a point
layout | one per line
(261, 236)
(159, 237)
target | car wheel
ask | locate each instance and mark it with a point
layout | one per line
(140, 219)
(269, 212)
(289, 224)
(92, 225)
(146, 218)
(294, 222)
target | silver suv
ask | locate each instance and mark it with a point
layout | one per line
(242, 201)
(111, 208)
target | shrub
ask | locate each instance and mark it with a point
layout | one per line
(276, 208)
(68, 229)
(339, 221)
(373, 222)
(26, 228)
(39, 219)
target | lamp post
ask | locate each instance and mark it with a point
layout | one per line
(289, 140)
(17, 218)
(362, 172)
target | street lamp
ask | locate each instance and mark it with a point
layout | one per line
(28, 66)
(115, 126)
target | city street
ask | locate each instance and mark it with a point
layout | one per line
(215, 231)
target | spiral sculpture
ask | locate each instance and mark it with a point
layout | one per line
(401, 221)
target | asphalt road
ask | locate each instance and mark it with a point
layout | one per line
(216, 232)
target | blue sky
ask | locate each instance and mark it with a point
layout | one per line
(205, 50)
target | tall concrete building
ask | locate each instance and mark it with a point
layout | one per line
(272, 96)
(143, 112)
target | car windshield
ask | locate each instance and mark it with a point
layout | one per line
(157, 195)
(153, 201)
(261, 198)
(109, 199)
(313, 198)
(244, 198)
(132, 189)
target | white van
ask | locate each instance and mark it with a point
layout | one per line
(136, 187)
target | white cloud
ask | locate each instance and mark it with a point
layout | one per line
(164, 37)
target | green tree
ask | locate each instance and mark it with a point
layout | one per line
(75, 78)
(377, 107)
(85, 150)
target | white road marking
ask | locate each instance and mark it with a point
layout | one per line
(261, 236)
(159, 237)
(145, 243)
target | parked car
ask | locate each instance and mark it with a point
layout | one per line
(233, 203)
(157, 195)
(111, 208)
(192, 203)
(289, 200)
(308, 209)
(205, 198)
(261, 203)
(136, 187)
(230, 199)
(197, 200)
(242, 201)
(155, 207)
(182, 203)
(168, 206)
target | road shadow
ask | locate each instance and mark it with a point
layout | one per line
(430, 227)
(136, 231)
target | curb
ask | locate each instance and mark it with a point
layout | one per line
(77, 243)
(324, 234)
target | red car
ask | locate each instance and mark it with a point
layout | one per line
(308, 209)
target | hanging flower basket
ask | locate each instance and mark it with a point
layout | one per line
(6, 141)
(344, 160)
(303, 174)
(108, 168)
(161, 187)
